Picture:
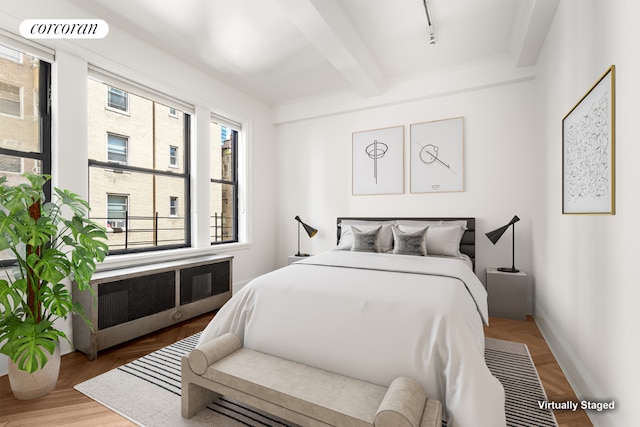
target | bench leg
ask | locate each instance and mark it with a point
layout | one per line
(195, 398)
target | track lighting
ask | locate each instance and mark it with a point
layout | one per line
(432, 36)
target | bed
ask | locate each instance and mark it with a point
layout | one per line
(378, 315)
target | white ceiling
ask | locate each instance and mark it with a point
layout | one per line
(285, 50)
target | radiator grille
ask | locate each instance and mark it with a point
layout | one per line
(197, 283)
(125, 300)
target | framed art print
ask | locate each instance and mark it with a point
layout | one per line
(588, 151)
(378, 159)
(437, 156)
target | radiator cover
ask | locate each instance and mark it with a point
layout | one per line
(134, 301)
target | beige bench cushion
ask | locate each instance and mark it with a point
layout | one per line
(319, 394)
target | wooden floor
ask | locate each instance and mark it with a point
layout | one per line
(67, 407)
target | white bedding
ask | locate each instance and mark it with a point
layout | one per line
(347, 313)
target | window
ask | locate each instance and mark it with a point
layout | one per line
(128, 155)
(173, 113)
(117, 99)
(10, 99)
(117, 210)
(10, 164)
(224, 183)
(173, 156)
(25, 134)
(173, 206)
(117, 148)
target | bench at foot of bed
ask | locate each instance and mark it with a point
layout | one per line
(299, 393)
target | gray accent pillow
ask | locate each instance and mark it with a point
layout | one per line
(366, 241)
(409, 243)
(346, 236)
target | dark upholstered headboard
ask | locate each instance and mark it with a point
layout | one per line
(467, 244)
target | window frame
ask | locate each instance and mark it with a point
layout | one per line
(126, 205)
(161, 99)
(20, 102)
(6, 55)
(44, 134)
(126, 148)
(114, 107)
(235, 132)
(173, 156)
(173, 206)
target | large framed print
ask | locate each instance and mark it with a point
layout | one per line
(588, 151)
(378, 161)
(437, 161)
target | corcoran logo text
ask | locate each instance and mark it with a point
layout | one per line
(64, 28)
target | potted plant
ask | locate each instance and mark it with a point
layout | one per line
(51, 243)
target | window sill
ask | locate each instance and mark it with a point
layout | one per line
(113, 262)
(117, 110)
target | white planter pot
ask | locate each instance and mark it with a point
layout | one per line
(27, 386)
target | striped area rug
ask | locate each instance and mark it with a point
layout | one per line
(147, 391)
(511, 364)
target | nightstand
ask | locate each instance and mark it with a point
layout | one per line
(507, 294)
(294, 258)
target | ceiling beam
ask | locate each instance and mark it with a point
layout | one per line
(325, 24)
(533, 20)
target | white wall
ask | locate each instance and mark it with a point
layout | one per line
(502, 164)
(124, 54)
(587, 283)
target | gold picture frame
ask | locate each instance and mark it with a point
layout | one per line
(588, 151)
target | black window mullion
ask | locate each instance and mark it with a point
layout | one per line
(234, 141)
(44, 94)
(23, 154)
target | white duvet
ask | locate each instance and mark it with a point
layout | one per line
(375, 317)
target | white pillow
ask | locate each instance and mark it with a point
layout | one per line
(346, 235)
(441, 240)
(417, 224)
(431, 223)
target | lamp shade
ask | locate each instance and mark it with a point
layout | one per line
(309, 229)
(496, 234)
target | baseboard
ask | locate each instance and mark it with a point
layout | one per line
(576, 373)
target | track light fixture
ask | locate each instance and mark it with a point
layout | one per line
(432, 36)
